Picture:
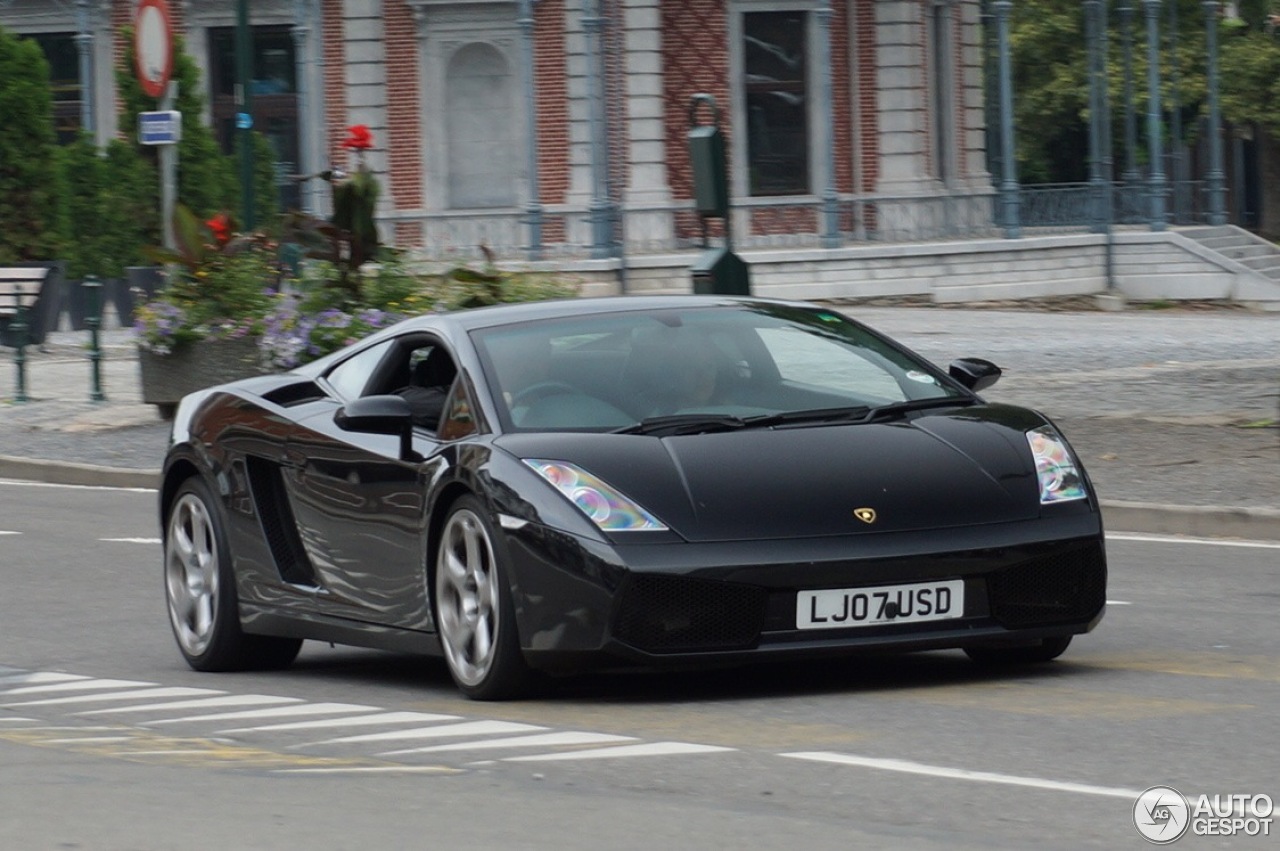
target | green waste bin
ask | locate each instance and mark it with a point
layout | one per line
(718, 271)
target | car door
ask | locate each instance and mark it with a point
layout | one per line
(360, 509)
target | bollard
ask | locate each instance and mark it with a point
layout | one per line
(94, 321)
(19, 328)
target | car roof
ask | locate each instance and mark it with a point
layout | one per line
(508, 314)
(457, 324)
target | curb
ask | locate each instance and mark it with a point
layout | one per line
(1209, 521)
(68, 473)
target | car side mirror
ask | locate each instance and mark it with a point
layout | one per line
(379, 415)
(975, 373)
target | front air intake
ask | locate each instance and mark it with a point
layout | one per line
(674, 614)
(1063, 587)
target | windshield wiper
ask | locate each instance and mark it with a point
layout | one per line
(855, 414)
(674, 424)
(813, 415)
(896, 409)
(694, 423)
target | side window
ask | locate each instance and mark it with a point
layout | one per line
(458, 419)
(423, 375)
(350, 378)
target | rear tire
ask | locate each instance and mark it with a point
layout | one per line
(200, 588)
(1044, 650)
(474, 614)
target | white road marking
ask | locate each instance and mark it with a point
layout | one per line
(467, 728)
(39, 677)
(1207, 542)
(540, 740)
(15, 718)
(651, 749)
(18, 484)
(229, 700)
(131, 540)
(370, 769)
(77, 685)
(1119, 603)
(274, 712)
(4, 532)
(134, 694)
(93, 740)
(362, 721)
(904, 766)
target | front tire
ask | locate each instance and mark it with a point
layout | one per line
(474, 613)
(1044, 650)
(200, 588)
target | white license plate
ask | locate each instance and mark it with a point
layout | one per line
(914, 603)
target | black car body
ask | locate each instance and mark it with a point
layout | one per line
(553, 506)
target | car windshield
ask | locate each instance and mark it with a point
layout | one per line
(705, 368)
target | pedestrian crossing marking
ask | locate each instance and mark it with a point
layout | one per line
(273, 712)
(467, 728)
(568, 737)
(228, 700)
(101, 697)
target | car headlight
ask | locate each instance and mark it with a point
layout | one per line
(607, 508)
(1060, 479)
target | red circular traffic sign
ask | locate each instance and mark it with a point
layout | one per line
(153, 46)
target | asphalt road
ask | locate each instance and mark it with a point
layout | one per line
(357, 749)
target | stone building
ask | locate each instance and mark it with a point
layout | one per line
(557, 131)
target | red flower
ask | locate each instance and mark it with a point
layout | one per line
(220, 225)
(358, 138)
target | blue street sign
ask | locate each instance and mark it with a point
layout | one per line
(160, 128)
(244, 121)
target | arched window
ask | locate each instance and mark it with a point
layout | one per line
(483, 163)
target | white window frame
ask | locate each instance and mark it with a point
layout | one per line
(738, 162)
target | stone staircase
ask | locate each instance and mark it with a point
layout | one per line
(1238, 244)
(1257, 261)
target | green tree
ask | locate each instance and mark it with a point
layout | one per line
(29, 211)
(208, 179)
(1051, 91)
(82, 184)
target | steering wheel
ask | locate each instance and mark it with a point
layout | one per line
(534, 392)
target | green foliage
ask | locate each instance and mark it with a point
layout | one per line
(217, 291)
(208, 179)
(83, 184)
(1051, 91)
(30, 217)
(130, 208)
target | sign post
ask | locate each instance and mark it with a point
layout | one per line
(153, 46)
(153, 61)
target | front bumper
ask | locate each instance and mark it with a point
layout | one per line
(676, 603)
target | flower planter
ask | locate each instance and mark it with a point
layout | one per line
(167, 378)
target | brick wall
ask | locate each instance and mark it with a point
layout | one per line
(868, 147)
(553, 101)
(695, 55)
(404, 138)
(335, 91)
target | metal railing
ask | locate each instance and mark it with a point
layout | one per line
(790, 223)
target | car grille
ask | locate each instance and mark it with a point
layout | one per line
(672, 614)
(1057, 588)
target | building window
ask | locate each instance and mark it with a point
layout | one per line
(484, 163)
(775, 86)
(274, 90)
(64, 79)
(942, 119)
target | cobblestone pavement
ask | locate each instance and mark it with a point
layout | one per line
(1176, 406)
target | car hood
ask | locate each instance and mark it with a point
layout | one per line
(929, 472)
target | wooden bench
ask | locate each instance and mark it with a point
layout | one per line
(35, 286)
